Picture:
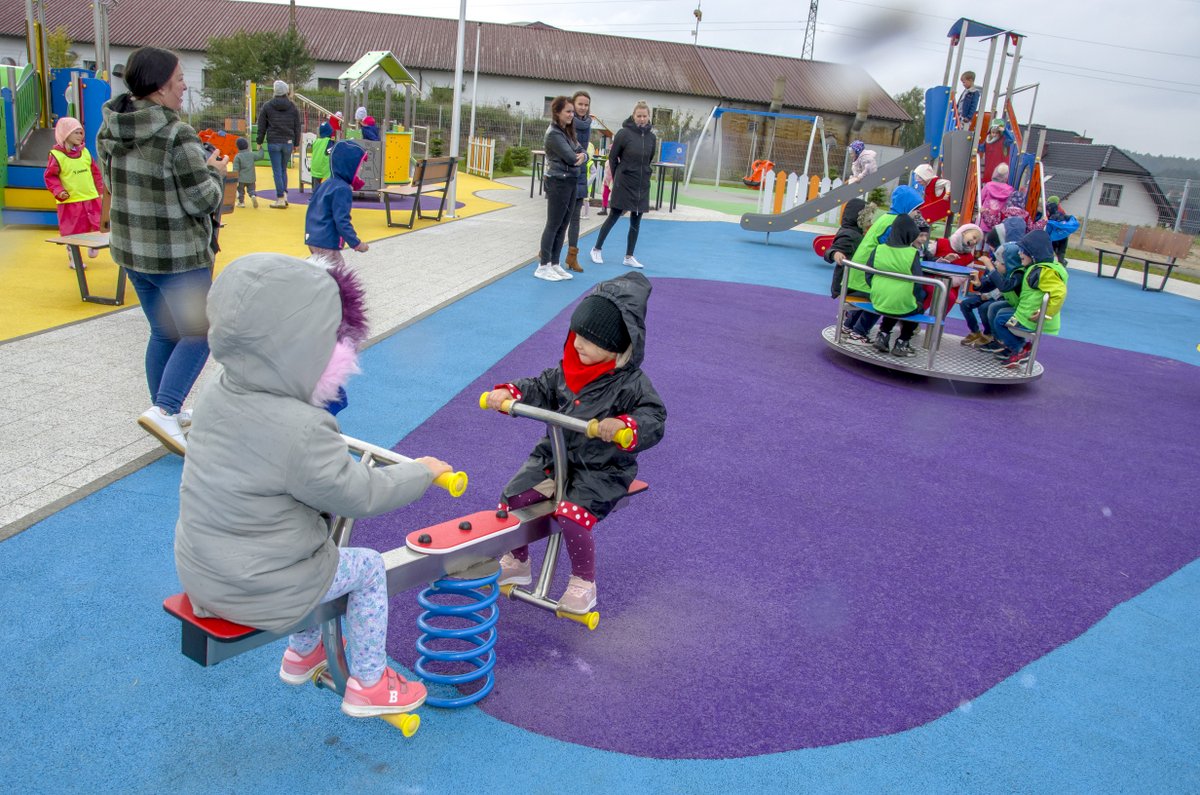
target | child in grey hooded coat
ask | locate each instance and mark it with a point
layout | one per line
(266, 460)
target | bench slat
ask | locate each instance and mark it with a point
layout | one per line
(915, 318)
(181, 607)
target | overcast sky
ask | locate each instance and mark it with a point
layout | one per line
(1120, 71)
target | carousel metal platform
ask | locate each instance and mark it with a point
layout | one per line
(953, 362)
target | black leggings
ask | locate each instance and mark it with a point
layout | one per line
(560, 199)
(573, 229)
(907, 327)
(635, 223)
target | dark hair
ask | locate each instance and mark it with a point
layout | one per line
(242, 144)
(580, 93)
(148, 70)
(556, 107)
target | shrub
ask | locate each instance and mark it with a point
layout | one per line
(435, 147)
(506, 163)
(520, 155)
(877, 197)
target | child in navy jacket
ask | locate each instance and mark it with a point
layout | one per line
(327, 222)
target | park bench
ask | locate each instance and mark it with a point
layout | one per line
(432, 175)
(97, 240)
(1152, 243)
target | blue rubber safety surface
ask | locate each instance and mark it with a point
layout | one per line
(98, 698)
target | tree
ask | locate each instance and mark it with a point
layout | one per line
(58, 49)
(913, 102)
(261, 57)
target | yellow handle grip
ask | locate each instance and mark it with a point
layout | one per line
(483, 400)
(623, 437)
(590, 620)
(453, 482)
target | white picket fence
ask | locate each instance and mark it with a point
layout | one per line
(481, 156)
(795, 192)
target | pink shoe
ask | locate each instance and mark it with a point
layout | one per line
(580, 596)
(514, 572)
(297, 670)
(392, 694)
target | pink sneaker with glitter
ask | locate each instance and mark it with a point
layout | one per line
(392, 694)
(297, 669)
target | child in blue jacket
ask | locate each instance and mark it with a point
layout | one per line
(327, 223)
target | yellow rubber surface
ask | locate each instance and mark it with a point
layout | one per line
(39, 292)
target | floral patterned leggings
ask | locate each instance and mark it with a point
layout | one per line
(360, 573)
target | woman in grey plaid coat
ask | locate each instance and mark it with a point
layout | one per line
(165, 192)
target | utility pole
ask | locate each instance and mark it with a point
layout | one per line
(698, 14)
(810, 33)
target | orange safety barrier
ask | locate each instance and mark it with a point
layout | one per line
(971, 191)
(780, 190)
(1033, 199)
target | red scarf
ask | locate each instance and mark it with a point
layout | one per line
(578, 374)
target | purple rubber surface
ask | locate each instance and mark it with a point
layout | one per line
(923, 541)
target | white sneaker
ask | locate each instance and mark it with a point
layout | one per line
(185, 418)
(631, 262)
(597, 257)
(559, 272)
(547, 273)
(165, 428)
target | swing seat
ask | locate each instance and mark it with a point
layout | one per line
(757, 169)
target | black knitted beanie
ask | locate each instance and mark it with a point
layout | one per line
(599, 321)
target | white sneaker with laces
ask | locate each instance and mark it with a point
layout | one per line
(597, 256)
(631, 262)
(545, 272)
(559, 272)
(165, 428)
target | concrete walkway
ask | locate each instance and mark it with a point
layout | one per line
(70, 397)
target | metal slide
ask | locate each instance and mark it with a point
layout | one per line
(893, 169)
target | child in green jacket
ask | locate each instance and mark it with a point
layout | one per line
(243, 164)
(318, 162)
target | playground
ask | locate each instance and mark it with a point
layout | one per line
(831, 574)
(909, 643)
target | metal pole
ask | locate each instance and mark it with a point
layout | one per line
(1000, 74)
(1012, 74)
(1029, 126)
(808, 153)
(717, 176)
(1088, 213)
(1182, 203)
(962, 46)
(521, 132)
(456, 115)
(987, 76)
(475, 80)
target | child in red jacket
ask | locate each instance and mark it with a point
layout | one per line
(74, 179)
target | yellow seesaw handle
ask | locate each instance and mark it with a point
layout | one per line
(623, 437)
(453, 482)
(483, 399)
(590, 620)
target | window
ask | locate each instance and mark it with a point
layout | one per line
(1110, 195)
(546, 107)
(327, 83)
(661, 118)
(206, 77)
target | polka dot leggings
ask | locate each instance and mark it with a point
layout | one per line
(361, 574)
(581, 546)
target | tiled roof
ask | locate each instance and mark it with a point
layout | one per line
(533, 50)
(1071, 165)
(1055, 136)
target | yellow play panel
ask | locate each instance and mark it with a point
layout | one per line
(39, 292)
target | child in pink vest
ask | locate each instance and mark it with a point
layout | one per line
(74, 179)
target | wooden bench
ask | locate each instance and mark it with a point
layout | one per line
(432, 175)
(1154, 243)
(96, 240)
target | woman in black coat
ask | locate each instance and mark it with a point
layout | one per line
(634, 149)
(564, 156)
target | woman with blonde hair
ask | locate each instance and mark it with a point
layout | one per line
(633, 150)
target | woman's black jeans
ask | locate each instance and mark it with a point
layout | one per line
(560, 201)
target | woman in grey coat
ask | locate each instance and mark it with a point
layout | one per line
(564, 156)
(634, 149)
(266, 460)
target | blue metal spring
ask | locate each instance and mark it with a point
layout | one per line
(482, 612)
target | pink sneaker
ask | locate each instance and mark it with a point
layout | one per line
(297, 670)
(392, 694)
(580, 596)
(514, 572)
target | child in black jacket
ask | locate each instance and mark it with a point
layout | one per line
(848, 236)
(600, 376)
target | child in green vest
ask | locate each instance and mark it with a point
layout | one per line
(859, 323)
(243, 164)
(318, 162)
(1043, 276)
(74, 179)
(895, 298)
